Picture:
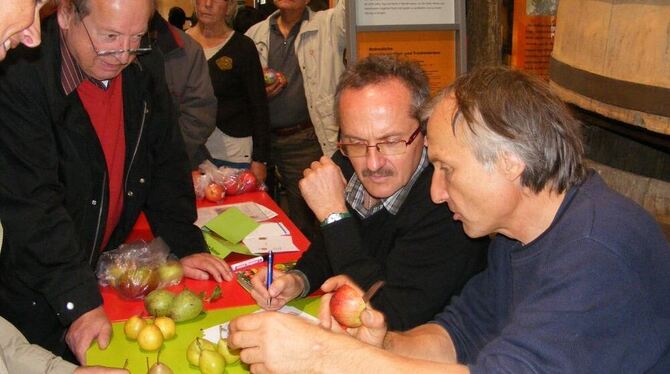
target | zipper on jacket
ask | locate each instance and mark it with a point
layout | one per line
(137, 145)
(100, 210)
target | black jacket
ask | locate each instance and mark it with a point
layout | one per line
(54, 189)
(421, 252)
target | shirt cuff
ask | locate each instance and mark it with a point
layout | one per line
(305, 282)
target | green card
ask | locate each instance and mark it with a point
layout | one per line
(232, 225)
(220, 247)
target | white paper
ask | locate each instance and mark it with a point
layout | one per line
(405, 12)
(255, 211)
(275, 244)
(221, 331)
(269, 229)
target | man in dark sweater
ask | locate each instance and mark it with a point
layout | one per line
(373, 199)
(577, 277)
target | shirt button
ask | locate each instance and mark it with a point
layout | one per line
(69, 305)
(142, 180)
(94, 202)
(130, 194)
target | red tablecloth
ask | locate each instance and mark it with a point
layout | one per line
(118, 309)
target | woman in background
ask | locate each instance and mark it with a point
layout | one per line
(241, 139)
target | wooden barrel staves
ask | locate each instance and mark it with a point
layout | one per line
(612, 57)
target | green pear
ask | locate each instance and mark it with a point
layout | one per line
(211, 362)
(171, 272)
(196, 347)
(185, 306)
(158, 302)
(230, 355)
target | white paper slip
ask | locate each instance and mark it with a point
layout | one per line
(214, 333)
(255, 211)
(268, 229)
(276, 244)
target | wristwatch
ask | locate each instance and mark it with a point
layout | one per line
(334, 217)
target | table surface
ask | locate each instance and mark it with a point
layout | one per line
(119, 309)
(234, 301)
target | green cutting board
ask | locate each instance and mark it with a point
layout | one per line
(173, 352)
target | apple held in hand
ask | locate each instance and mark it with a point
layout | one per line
(346, 306)
(270, 76)
(214, 192)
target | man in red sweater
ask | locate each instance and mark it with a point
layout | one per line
(89, 142)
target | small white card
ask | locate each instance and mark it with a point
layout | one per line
(268, 229)
(221, 331)
(276, 244)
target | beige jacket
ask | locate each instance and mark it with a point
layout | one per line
(17, 356)
(319, 47)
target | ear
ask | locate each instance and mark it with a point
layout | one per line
(65, 16)
(512, 166)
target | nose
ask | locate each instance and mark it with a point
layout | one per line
(124, 57)
(31, 36)
(438, 188)
(373, 159)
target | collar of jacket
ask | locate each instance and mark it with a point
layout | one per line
(165, 36)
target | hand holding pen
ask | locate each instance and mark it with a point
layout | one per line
(268, 277)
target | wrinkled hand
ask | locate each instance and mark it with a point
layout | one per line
(374, 327)
(259, 170)
(284, 288)
(322, 187)
(89, 326)
(263, 338)
(203, 265)
(99, 370)
(275, 88)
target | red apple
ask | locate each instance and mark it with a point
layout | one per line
(214, 192)
(346, 306)
(230, 184)
(247, 181)
(137, 283)
(270, 76)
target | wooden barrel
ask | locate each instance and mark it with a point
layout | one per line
(612, 57)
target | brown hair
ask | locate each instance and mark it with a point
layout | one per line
(508, 111)
(377, 69)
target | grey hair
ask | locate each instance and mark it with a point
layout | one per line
(82, 8)
(377, 69)
(510, 112)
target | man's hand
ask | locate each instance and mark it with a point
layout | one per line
(275, 88)
(284, 288)
(322, 187)
(203, 265)
(259, 170)
(89, 326)
(373, 329)
(274, 342)
(99, 370)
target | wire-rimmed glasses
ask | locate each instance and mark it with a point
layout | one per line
(385, 148)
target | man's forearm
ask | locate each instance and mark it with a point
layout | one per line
(426, 342)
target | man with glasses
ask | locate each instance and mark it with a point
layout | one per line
(88, 142)
(373, 201)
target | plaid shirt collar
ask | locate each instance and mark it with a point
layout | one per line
(71, 74)
(355, 193)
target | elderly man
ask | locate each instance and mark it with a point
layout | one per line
(373, 199)
(88, 143)
(577, 275)
(308, 48)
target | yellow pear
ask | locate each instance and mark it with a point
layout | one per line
(150, 338)
(167, 327)
(133, 326)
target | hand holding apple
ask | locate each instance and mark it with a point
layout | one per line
(373, 325)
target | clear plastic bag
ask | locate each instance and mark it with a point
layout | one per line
(137, 268)
(214, 183)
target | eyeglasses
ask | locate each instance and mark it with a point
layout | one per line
(386, 148)
(112, 52)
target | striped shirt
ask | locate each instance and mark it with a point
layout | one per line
(71, 74)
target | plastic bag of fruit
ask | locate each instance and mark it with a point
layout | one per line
(214, 183)
(137, 268)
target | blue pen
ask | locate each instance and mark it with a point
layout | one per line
(268, 278)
